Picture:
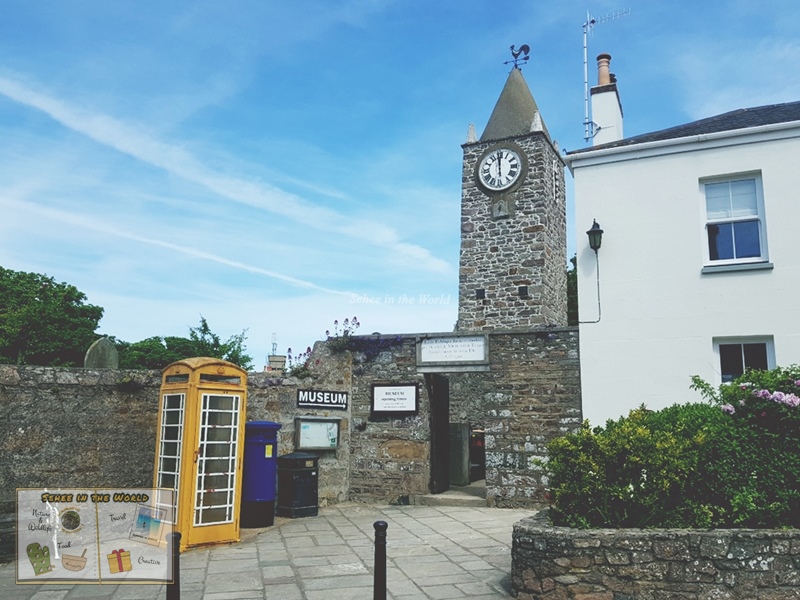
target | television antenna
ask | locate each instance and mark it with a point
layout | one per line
(274, 343)
(588, 27)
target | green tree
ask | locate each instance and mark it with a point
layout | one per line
(43, 322)
(572, 292)
(208, 343)
(157, 352)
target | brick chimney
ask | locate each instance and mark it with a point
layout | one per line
(606, 107)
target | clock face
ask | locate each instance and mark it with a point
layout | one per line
(499, 169)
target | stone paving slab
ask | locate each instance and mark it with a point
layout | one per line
(433, 553)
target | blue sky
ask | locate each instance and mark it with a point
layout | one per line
(276, 165)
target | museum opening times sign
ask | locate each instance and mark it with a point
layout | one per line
(93, 535)
(395, 399)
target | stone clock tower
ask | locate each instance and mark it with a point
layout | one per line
(513, 220)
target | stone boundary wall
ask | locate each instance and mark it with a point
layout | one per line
(390, 455)
(559, 563)
(275, 399)
(73, 427)
(530, 395)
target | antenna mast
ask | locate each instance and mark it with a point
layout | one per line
(274, 343)
(588, 27)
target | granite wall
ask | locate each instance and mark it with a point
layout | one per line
(97, 428)
(73, 428)
(530, 395)
(389, 455)
(524, 246)
(558, 563)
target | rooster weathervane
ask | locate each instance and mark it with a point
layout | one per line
(520, 56)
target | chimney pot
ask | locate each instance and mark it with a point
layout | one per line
(603, 75)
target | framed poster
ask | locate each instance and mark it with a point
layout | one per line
(316, 434)
(395, 399)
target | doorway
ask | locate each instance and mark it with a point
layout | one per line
(439, 394)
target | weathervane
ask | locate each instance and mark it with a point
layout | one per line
(520, 56)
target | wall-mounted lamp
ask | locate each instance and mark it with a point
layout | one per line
(595, 240)
(595, 236)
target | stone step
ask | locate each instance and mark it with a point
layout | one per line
(449, 500)
(469, 495)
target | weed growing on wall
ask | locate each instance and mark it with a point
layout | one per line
(299, 365)
(370, 346)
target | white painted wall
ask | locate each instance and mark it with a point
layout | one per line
(659, 313)
(607, 116)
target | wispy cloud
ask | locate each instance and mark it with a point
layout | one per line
(176, 160)
(67, 218)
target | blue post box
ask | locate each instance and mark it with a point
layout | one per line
(260, 474)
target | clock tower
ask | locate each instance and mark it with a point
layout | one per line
(513, 220)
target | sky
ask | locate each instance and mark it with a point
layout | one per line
(276, 165)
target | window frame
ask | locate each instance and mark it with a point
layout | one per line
(759, 217)
(768, 340)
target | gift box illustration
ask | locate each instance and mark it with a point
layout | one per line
(40, 558)
(119, 561)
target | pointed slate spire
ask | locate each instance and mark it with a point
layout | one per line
(514, 112)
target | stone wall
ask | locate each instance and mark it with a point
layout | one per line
(389, 455)
(73, 428)
(526, 246)
(275, 399)
(531, 395)
(557, 563)
(98, 428)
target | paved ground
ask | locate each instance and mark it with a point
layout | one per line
(433, 552)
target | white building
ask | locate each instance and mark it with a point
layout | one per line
(699, 268)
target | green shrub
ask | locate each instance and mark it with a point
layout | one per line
(733, 462)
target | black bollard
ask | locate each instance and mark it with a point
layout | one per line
(174, 588)
(379, 586)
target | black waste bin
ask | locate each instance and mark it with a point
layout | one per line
(298, 485)
(258, 480)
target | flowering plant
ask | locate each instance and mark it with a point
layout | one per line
(767, 399)
(299, 365)
(369, 347)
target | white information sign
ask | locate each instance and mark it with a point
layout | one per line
(455, 349)
(394, 398)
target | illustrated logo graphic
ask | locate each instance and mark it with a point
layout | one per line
(149, 525)
(74, 563)
(70, 520)
(119, 561)
(40, 558)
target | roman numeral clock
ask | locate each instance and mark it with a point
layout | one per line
(500, 170)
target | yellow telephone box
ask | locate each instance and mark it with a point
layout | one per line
(200, 447)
